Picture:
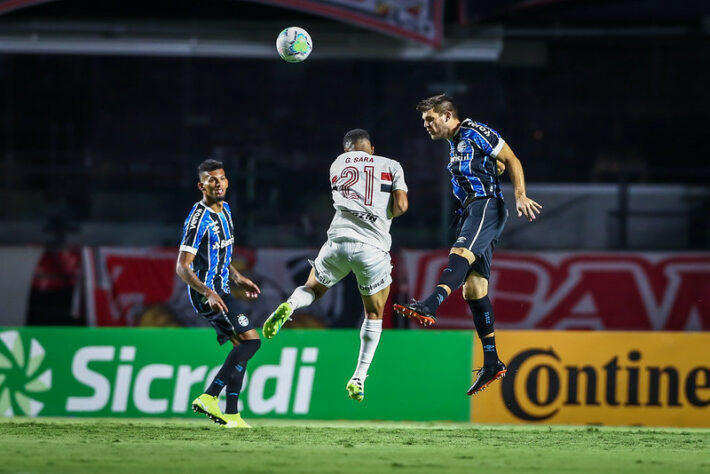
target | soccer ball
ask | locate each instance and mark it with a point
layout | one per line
(294, 44)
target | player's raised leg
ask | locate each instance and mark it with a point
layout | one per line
(369, 339)
(300, 298)
(475, 292)
(460, 260)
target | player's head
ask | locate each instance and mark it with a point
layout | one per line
(212, 181)
(441, 119)
(358, 140)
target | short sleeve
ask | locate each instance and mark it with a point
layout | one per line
(193, 231)
(398, 177)
(485, 139)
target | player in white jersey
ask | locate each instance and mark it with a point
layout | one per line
(368, 192)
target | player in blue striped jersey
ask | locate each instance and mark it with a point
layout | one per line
(205, 264)
(477, 155)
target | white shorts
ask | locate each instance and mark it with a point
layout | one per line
(372, 266)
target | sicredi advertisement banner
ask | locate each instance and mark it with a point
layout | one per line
(595, 377)
(130, 372)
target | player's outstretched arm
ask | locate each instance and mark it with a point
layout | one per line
(523, 204)
(183, 270)
(400, 203)
(251, 290)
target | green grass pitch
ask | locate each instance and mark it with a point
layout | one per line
(112, 445)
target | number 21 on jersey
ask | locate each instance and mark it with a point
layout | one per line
(352, 187)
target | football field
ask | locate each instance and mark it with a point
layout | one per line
(143, 445)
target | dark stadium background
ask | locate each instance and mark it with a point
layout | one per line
(100, 149)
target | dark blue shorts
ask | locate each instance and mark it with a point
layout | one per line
(226, 324)
(480, 226)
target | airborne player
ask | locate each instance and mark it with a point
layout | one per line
(475, 157)
(368, 192)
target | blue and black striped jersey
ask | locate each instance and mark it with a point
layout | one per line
(472, 161)
(209, 236)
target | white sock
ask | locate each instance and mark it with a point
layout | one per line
(369, 338)
(301, 297)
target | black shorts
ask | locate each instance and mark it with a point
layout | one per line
(226, 324)
(479, 228)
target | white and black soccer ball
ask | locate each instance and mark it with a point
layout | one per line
(294, 44)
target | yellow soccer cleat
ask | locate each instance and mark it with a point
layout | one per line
(277, 319)
(356, 389)
(207, 404)
(234, 420)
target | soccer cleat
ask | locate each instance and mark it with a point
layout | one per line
(277, 319)
(234, 420)
(486, 376)
(207, 404)
(417, 310)
(356, 389)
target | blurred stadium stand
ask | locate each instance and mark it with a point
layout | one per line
(100, 148)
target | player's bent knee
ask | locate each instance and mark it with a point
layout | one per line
(465, 253)
(475, 288)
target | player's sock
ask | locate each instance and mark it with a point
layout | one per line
(369, 338)
(483, 319)
(490, 354)
(239, 355)
(301, 297)
(436, 298)
(453, 276)
(233, 388)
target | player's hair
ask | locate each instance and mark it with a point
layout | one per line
(209, 165)
(354, 136)
(441, 103)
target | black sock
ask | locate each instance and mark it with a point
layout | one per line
(436, 298)
(237, 356)
(453, 276)
(233, 388)
(483, 319)
(490, 354)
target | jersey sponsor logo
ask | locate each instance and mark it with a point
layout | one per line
(220, 244)
(243, 320)
(364, 215)
(482, 129)
(196, 217)
(455, 158)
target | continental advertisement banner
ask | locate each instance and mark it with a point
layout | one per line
(130, 372)
(606, 378)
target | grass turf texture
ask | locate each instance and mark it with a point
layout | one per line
(111, 445)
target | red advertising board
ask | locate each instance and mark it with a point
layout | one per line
(546, 290)
(581, 290)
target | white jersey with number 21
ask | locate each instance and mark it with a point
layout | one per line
(362, 186)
